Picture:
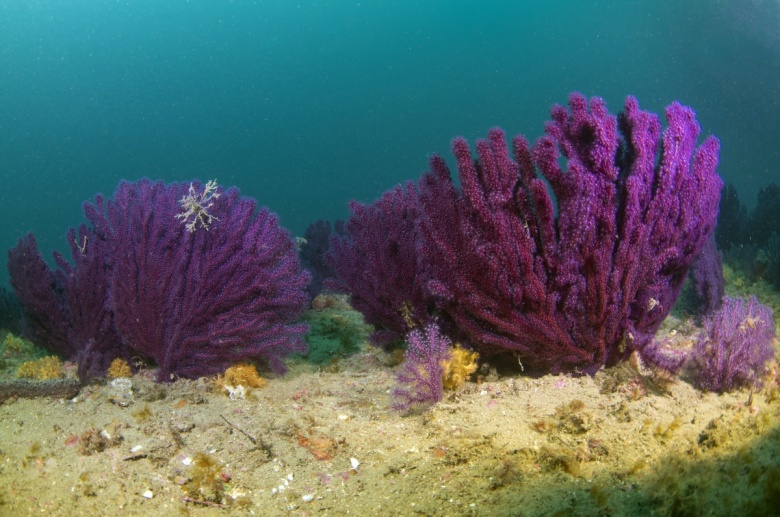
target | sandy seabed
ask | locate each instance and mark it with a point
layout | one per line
(325, 442)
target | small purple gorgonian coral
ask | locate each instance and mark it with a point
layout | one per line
(736, 343)
(420, 377)
(196, 206)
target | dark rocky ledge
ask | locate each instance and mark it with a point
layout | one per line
(23, 388)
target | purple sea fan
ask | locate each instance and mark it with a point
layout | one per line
(736, 343)
(570, 267)
(201, 297)
(312, 252)
(423, 369)
(376, 262)
(65, 310)
(45, 315)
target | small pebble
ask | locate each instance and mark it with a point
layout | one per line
(355, 463)
(148, 494)
(307, 498)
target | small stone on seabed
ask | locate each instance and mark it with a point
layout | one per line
(148, 494)
(307, 498)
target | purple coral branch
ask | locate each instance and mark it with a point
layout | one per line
(86, 282)
(66, 310)
(376, 262)
(45, 318)
(708, 280)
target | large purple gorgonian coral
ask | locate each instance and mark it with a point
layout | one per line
(189, 276)
(576, 276)
(734, 347)
(195, 300)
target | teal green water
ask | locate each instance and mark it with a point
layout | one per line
(307, 104)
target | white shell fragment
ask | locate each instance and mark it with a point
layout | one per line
(121, 383)
(354, 462)
(120, 391)
(148, 494)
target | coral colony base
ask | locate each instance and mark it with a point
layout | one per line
(543, 275)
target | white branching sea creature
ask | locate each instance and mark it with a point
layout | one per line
(196, 206)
